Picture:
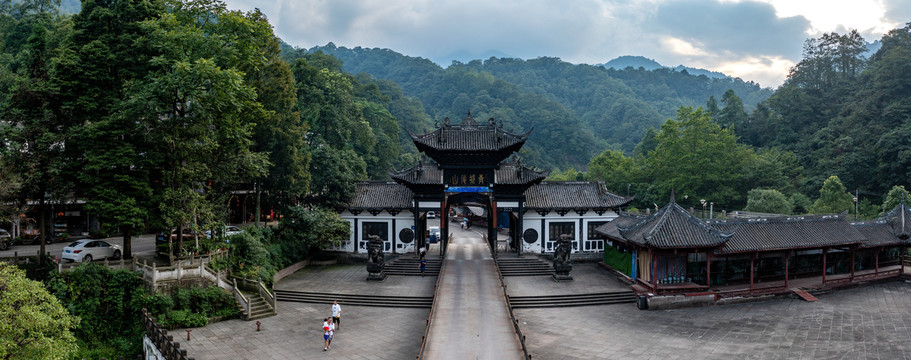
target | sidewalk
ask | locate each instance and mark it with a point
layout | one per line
(296, 333)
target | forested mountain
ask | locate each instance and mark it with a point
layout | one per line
(844, 114)
(636, 62)
(599, 108)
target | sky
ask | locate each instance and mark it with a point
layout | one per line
(755, 40)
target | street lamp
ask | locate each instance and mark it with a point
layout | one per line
(703, 207)
(855, 207)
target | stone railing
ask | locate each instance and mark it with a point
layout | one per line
(156, 276)
(158, 337)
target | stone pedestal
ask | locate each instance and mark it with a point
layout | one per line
(561, 272)
(375, 272)
(376, 261)
(562, 264)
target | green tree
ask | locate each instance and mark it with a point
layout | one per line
(733, 112)
(106, 53)
(768, 201)
(570, 174)
(33, 323)
(711, 107)
(894, 197)
(833, 198)
(802, 203)
(198, 109)
(616, 170)
(280, 134)
(35, 132)
(696, 156)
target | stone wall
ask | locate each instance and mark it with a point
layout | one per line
(665, 302)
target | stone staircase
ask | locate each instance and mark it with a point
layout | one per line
(525, 266)
(573, 300)
(410, 265)
(422, 302)
(259, 307)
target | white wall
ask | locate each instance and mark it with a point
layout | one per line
(403, 220)
(532, 220)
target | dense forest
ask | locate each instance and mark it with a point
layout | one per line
(842, 112)
(588, 108)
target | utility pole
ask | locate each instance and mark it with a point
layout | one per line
(856, 199)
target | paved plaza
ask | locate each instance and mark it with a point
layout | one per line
(871, 322)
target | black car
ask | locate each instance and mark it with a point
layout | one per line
(5, 240)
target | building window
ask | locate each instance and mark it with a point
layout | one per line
(559, 228)
(593, 242)
(377, 228)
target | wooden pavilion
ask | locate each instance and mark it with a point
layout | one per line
(676, 253)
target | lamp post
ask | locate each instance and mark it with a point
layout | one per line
(703, 207)
(856, 194)
(711, 209)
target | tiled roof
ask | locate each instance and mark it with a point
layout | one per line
(877, 233)
(516, 174)
(572, 195)
(624, 220)
(794, 232)
(899, 220)
(670, 227)
(420, 174)
(372, 195)
(469, 136)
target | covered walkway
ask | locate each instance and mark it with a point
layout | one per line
(470, 319)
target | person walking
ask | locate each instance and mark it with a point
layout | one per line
(327, 335)
(423, 265)
(336, 315)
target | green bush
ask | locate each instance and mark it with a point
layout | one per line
(185, 319)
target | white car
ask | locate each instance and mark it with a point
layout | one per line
(87, 250)
(230, 230)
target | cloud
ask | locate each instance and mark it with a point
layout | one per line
(712, 34)
(743, 28)
(897, 12)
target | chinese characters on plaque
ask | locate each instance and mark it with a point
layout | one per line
(468, 177)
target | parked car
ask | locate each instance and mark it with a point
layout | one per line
(434, 234)
(87, 250)
(229, 230)
(187, 234)
(5, 240)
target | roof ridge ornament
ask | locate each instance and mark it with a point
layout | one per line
(468, 119)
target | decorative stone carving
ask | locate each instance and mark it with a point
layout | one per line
(562, 263)
(376, 261)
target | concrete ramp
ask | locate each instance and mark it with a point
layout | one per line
(470, 317)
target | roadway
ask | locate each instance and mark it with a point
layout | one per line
(470, 318)
(142, 245)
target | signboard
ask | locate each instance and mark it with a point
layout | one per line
(468, 189)
(467, 177)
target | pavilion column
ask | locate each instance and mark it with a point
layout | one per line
(752, 265)
(825, 251)
(853, 253)
(708, 269)
(876, 260)
(787, 261)
(520, 242)
(901, 259)
(653, 257)
(418, 231)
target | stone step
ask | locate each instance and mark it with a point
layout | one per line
(358, 300)
(573, 300)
